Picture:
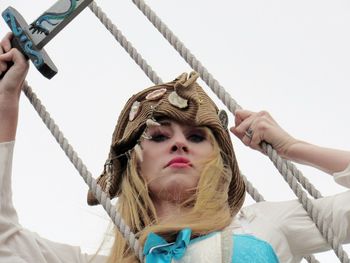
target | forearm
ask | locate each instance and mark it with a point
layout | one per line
(8, 117)
(325, 159)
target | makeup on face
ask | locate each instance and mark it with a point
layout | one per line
(165, 131)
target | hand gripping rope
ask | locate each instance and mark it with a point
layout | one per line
(290, 173)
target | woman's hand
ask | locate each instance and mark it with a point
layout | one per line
(13, 77)
(254, 127)
(14, 68)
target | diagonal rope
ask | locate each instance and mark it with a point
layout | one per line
(147, 69)
(127, 46)
(257, 197)
(303, 180)
(311, 259)
(118, 35)
(103, 199)
(85, 174)
(323, 225)
(187, 55)
(232, 105)
(72, 155)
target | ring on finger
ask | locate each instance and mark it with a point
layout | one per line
(249, 133)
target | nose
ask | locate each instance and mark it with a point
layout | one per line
(178, 147)
(179, 144)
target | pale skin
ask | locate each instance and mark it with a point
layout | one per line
(173, 158)
(10, 88)
(267, 129)
(170, 185)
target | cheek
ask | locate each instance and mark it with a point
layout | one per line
(203, 154)
(145, 170)
(205, 151)
(151, 161)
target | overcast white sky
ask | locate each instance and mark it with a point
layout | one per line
(291, 58)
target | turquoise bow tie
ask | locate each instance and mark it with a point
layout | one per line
(157, 250)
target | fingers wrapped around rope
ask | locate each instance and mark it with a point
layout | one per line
(252, 137)
(14, 64)
(245, 129)
(254, 127)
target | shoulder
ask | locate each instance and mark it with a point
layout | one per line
(266, 221)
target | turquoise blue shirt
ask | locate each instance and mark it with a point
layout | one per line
(249, 249)
(246, 248)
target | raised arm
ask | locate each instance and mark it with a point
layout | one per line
(254, 127)
(17, 244)
(11, 84)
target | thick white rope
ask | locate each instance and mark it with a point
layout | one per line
(118, 35)
(254, 193)
(219, 90)
(324, 227)
(72, 155)
(127, 46)
(100, 195)
(152, 75)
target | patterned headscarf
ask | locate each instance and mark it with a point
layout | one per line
(182, 100)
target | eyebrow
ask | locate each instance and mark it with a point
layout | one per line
(165, 122)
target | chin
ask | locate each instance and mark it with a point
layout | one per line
(176, 187)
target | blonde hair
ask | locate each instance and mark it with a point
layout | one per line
(210, 210)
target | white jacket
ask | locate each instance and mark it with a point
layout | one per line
(284, 225)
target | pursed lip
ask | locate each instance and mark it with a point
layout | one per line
(179, 162)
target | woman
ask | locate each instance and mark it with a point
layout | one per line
(173, 167)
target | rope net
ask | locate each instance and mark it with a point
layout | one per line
(295, 179)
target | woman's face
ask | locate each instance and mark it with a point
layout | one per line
(173, 159)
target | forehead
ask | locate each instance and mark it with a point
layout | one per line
(167, 122)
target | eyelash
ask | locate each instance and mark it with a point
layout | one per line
(196, 138)
(192, 137)
(158, 137)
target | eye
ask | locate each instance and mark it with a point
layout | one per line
(159, 137)
(196, 137)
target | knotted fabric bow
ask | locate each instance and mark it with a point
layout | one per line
(157, 250)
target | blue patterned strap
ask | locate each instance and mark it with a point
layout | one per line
(249, 249)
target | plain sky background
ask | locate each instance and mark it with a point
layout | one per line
(291, 58)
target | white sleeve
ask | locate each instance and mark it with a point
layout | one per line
(18, 245)
(343, 178)
(287, 226)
